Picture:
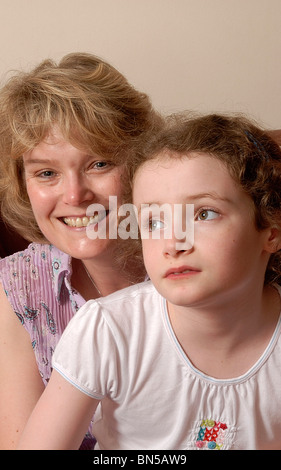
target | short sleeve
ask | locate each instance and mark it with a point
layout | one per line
(86, 353)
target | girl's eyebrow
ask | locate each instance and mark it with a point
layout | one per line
(149, 204)
(211, 195)
(191, 198)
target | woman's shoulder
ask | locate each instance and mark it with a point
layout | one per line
(32, 280)
(38, 262)
(35, 253)
(32, 251)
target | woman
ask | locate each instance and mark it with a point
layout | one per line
(68, 133)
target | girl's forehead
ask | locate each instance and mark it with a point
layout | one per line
(162, 160)
(186, 175)
(201, 180)
(171, 160)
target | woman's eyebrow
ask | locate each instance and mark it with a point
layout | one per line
(34, 161)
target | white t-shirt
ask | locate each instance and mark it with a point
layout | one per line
(122, 350)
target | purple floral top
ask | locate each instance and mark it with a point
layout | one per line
(37, 285)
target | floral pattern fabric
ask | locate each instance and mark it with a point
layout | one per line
(37, 282)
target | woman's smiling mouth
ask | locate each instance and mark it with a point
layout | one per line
(85, 221)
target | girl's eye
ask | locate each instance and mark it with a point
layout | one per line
(207, 214)
(155, 225)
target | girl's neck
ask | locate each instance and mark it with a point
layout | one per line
(226, 342)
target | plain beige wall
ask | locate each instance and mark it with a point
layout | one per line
(207, 55)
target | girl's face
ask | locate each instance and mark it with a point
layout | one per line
(62, 181)
(228, 257)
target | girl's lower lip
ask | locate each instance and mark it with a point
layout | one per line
(182, 275)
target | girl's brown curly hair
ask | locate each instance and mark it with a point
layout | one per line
(251, 156)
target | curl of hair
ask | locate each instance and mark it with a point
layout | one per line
(251, 156)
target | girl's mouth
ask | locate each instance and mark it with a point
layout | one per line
(181, 272)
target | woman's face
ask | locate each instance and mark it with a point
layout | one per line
(62, 182)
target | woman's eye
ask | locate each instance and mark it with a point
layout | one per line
(207, 214)
(46, 174)
(100, 165)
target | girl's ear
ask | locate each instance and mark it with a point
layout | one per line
(273, 242)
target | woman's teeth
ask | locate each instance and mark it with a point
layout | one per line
(83, 221)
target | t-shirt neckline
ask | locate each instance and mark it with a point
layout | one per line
(232, 381)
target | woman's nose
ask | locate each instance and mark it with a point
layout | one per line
(76, 190)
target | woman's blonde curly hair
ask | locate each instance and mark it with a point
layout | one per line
(91, 103)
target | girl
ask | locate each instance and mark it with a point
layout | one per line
(190, 360)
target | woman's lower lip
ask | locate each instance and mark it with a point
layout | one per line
(76, 229)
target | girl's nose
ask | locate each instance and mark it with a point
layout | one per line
(76, 190)
(181, 236)
(175, 246)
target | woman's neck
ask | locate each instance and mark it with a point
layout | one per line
(93, 279)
